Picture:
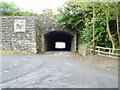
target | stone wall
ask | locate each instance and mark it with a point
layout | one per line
(44, 25)
(33, 38)
(18, 41)
(83, 49)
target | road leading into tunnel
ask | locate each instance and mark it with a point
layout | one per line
(53, 70)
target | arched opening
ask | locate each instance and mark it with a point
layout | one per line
(58, 41)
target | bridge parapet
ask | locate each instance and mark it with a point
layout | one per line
(46, 25)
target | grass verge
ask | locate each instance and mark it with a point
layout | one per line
(2, 52)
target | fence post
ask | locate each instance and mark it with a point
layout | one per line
(91, 49)
(109, 52)
(98, 51)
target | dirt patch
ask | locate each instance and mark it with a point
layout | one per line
(103, 62)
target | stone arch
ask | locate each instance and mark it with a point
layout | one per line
(52, 37)
(45, 27)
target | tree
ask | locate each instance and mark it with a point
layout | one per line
(10, 9)
(48, 11)
(109, 10)
(117, 8)
(87, 18)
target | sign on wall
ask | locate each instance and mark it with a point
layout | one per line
(60, 45)
(19, 25)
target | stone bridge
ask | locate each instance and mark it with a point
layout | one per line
(34, 34)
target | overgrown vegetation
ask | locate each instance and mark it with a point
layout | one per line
(96, 22)
(10, 9)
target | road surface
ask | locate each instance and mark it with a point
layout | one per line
(53, 70)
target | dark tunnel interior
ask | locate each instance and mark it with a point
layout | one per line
(58, 36)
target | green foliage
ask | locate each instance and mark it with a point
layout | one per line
(78, 16)
(86, 34)
(10, 9)
(48, 11)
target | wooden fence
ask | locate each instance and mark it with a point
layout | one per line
(106, 51)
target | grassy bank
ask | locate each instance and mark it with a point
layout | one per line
(2, 52)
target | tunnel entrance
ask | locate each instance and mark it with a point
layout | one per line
(58, 41)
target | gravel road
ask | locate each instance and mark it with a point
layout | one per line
(53, 70)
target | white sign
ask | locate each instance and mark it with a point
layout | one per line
(60, 45)
(19, 25)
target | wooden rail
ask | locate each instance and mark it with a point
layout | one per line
(100, 51)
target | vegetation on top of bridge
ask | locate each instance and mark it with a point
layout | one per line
(11, 9)
(97, 23)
